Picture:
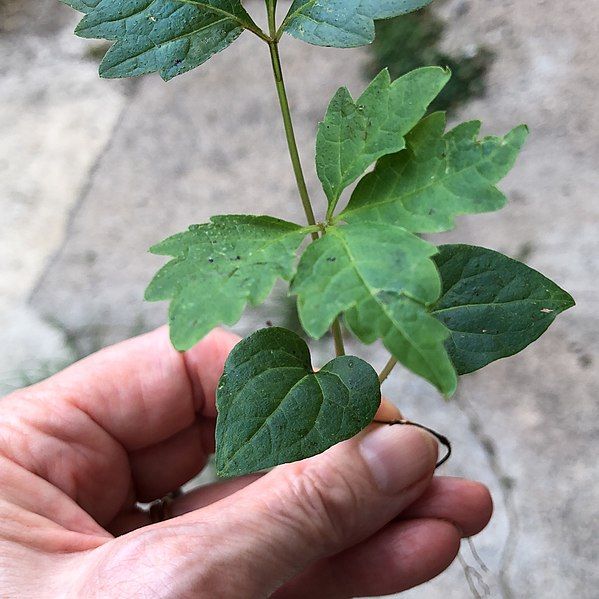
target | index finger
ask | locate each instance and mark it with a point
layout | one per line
(142, 391)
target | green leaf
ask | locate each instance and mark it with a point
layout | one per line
(384, 276)
(84, 6)
(342, 23)
(494, 306)
(410, 333)
(437, 177)
(354, 134)
(170, 37)
(273, 408)
(218, 268)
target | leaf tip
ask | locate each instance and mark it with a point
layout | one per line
(79, 31)
(385, 74)
(105, 71)
(182, 342)
(569, 301)
(447, 73)
(521, 132)
(449, 393)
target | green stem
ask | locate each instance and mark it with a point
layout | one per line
(387, 370)
(338, 338)
(273, 44)
(288, 123)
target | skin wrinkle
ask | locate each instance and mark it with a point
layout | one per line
(310, 492)
(57, 441)
(72, 484)
(198, 393)
(69, 518)
(80, 478)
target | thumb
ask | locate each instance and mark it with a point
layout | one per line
(305, 511)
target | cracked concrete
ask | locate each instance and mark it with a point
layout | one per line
(93, 172)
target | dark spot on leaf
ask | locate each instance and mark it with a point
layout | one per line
(211, 260)
(331, 259)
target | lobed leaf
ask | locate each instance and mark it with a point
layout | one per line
(494, 306)
(383, 278)
(167, 36)
(273, 408)
(437, 177)
(342, 23)
(219, 268)
(410, 334)
(354, 134)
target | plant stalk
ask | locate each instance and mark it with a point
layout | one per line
(273, 44)
(289, 132)
(338, 338)
(387, 369)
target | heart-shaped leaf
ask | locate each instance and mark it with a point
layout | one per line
(273, 408)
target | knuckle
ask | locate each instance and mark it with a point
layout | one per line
(320, 501)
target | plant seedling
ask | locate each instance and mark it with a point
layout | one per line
(440, 311)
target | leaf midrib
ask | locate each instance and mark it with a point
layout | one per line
(371, 290)
(498, 304)
(245, 24)
(249, 24)
(232, 457)
(160, 44)
(261, 248)
(437, 182)
(382, 306)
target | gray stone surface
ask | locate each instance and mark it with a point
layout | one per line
(93, 172)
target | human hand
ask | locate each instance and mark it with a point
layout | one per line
(135, 421)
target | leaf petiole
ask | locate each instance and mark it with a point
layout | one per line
(389, 366)
(292, 144)
(338, 338)
(250, 26)
(288, 124)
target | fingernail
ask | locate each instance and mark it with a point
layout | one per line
(398, 456)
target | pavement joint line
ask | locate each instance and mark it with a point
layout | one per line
(488, 446)
(86, 186)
